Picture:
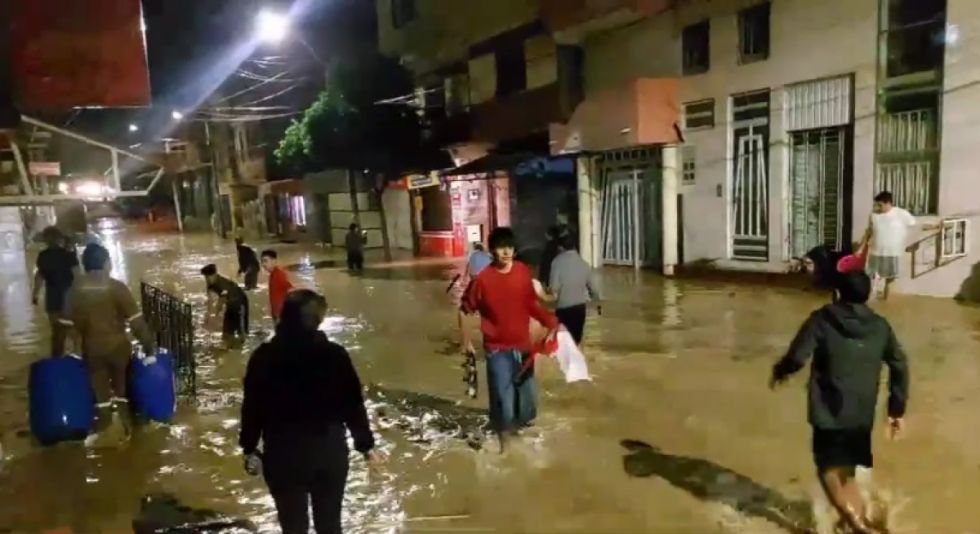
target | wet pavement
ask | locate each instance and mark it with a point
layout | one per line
(678, 433)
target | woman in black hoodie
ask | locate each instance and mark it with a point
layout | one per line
(302, 394)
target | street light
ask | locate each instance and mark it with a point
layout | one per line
(134, 128)
(176, 115)
(271, 27)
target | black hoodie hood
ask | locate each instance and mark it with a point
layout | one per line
(853, 321)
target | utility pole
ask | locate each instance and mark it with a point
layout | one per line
(213, 186)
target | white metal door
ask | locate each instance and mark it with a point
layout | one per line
(621, 228)
(750, 177)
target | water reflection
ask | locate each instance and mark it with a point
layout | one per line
(683, 361)
(710, 481)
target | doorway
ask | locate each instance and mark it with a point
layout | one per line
(819, 179)
(631, 218)
(750, 176)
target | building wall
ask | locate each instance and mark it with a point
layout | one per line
(959, 187)
(844, 33)
(443, 30)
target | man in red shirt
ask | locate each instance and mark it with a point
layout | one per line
(279, 284)
(504, 296)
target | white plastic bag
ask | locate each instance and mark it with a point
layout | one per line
(570, 359)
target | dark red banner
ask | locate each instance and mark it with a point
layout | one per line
(78, 53)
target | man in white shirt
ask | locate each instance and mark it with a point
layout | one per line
(885, 240)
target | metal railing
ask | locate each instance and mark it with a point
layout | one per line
(173, 321)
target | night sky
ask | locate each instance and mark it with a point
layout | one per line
(190, 43)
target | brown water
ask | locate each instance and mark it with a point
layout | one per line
(678, 433)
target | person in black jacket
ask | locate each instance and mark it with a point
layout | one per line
(849, 344)
(302, 394)
(248, 264)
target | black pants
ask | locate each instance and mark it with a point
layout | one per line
(573, 318)
(252, 277)
(236, 320)
(355, 260)
(307, 473)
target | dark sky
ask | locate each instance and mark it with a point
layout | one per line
(190, 43)
(182, 34)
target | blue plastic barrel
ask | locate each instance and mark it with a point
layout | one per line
(153, 393)
(62, 403)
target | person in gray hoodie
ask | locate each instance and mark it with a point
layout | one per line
(849, 344)
(572, 284)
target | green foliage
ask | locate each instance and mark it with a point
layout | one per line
(347, 127)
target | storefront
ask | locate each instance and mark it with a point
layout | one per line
(432, 210)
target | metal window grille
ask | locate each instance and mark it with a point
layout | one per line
(699, 114)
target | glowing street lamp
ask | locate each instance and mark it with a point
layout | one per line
(176, 115)
(271, 27)
(134, 128)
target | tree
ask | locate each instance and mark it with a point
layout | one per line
(349, 127)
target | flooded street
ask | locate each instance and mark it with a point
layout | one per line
(678, 433)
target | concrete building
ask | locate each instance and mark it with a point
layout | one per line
(792, 115)
(490, 83)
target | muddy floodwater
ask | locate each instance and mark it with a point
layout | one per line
(678, 433)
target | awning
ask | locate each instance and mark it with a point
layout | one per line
(640, 112)
(492, 162)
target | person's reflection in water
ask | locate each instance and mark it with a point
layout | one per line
(301, 391)
(712, 482)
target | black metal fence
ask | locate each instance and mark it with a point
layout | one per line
(173, 322)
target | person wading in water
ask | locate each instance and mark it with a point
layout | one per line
(99, 308)
(223, 294)
(57, 268)
(849, 344)
(503, 294)
(302, 395)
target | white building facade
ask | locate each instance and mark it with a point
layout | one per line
(794, 114)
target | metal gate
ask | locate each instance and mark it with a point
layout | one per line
(173, 321)
(816, 189)
(630, 219)
(750, 176)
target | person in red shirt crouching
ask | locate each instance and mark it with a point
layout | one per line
(503, 295)
(279, 284)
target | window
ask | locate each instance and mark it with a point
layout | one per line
(908, 150)
(511, 70)
(688, 164)
(402, 12)
(753, 33)
(954, 234)
(696, 44)
(915, 36)
(699, 115)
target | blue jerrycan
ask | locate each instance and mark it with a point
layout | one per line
(62, 403)
(153, 392)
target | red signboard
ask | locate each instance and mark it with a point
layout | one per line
(79, 53)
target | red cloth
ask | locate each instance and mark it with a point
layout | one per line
(279, 285)
(506, 303)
